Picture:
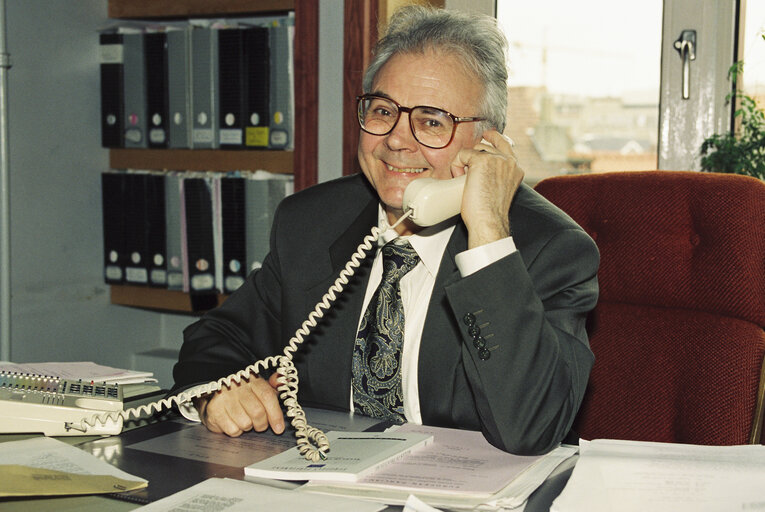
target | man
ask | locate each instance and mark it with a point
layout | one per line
(494, 307)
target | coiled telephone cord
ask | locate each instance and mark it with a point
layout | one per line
(312, 442)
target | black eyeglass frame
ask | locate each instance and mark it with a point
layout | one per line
(400, 108)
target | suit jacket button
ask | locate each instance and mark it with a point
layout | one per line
(484, 354)
(474, 331)
(469, 319)
(479, 342)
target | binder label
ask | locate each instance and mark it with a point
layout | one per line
(111, 53)
(233, 282)
(158, 276)
(202, 282)
(202, 136)
(133, 135)
(157, 135)
(175, 280)
(279, 138)
(113, 273)
(136, 275)
(231, 136)
(256, 136)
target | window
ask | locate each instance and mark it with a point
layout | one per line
(754, 51)
(584, 84)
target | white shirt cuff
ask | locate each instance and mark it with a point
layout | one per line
(473, 260)
(186, 408)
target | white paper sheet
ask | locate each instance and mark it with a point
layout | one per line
(50, 453)
(639, 476)
(224, 494)
(415, 504)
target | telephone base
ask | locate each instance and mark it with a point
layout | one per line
(26, 418)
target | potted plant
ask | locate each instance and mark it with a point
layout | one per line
(742, 151)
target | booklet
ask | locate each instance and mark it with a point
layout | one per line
(351, 455)
(85, 370)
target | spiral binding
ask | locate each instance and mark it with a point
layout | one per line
(312, 442)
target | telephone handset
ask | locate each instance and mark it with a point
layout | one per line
(432, 201)
(427, 202)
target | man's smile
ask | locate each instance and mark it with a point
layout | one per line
(410, 170)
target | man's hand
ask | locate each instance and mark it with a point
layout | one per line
(493, 177)
(251, 404)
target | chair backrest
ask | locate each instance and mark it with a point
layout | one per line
(678, 330)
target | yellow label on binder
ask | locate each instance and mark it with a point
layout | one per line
(256, 136)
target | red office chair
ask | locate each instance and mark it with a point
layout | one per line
(678, 331)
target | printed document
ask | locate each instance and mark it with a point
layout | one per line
(51, 454)
(228, 495)
(639, 476)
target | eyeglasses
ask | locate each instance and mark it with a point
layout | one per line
(431, 127)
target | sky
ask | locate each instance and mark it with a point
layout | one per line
(602, 47)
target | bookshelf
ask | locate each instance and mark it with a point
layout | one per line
(201, 160)
(301, 162)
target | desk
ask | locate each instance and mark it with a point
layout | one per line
(148, 452)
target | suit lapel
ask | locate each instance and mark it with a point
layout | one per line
(328, 369)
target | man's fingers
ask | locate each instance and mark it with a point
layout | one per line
(502, 142)
(251, 404)
(269, 401)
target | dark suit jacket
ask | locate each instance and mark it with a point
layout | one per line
(531, 307)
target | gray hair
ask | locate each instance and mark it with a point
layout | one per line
(474, 39)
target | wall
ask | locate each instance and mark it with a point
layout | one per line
(330, 139)
(60, 308)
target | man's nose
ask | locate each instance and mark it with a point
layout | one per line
(401, 136)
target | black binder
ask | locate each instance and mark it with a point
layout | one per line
(112, 97)
(257, 86)
(157, 110)
(113, 197)
(136, 267)
(234, 227)
(231, 88)
(200, 241)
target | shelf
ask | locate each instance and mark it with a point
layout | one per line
(201, 160)
(161, 299)
(302, 162)
(156, 9)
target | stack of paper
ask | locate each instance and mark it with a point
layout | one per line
(639, 476)
(86, 370)
(459, 470)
